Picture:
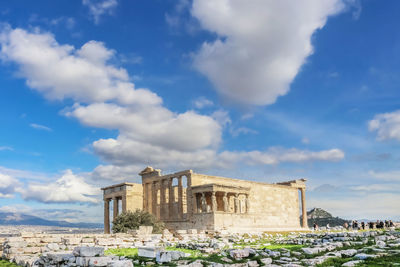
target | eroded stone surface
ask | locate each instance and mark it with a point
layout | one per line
(318, 247)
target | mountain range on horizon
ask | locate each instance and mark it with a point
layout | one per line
(317, 215)
(14, 218)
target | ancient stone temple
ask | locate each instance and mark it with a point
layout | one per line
(187, 200)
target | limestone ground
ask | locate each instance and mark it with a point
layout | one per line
(387, 261)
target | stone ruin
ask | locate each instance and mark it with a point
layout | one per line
(187, 200)
(237, 250)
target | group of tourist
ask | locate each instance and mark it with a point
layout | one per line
(355, 225)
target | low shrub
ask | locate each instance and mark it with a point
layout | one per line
(132, 220)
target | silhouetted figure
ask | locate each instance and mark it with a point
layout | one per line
(371, 225)
(363, 225)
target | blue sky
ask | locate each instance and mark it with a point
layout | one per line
(93, 91)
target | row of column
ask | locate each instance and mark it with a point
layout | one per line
(214, 205)
(115, 210)
(167, 202)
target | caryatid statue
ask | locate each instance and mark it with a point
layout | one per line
(203, 202)
(225, 200)
(214, 201)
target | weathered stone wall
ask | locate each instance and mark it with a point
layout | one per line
(271, 206)
(135, 199)
(34, 243)
(211, 202)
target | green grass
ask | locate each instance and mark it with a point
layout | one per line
(193, 253)
(263, 243)
(218, 259)
(387, 261)
(127, 252)
(133, 252)
(4, 263)
(390, 260)
(335, 262)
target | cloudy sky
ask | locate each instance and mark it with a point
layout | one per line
(92, 91)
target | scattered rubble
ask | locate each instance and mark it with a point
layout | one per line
(215, 249)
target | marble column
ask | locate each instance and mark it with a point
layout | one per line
(107, 216)
(189, 198)
(213, 202)
(247, 203)
(115, 208)
(144, 207)
(123, 204)
(149, 197)
(237, 206)
(180, 197)
(303, 207)
(146, 201)
(171, 199)
(225, 200)
(154, 199)
(162, 200)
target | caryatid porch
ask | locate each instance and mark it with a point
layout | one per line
(221, 198)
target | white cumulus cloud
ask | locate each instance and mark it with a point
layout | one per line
(98, 8)
(8, 185)
(386, 125)
(261, 44)
(61, 71)
(279, 155)
(105, 97)
(153, 124)
(69, 188)
(202, 102)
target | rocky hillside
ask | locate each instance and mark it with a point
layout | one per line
(322, 218)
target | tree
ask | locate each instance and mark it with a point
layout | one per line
(132, 220)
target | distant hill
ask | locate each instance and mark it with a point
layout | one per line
(12, 218)
(322, 218)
